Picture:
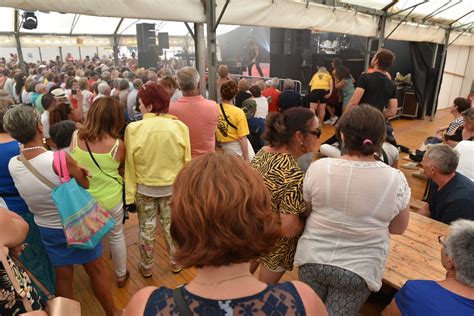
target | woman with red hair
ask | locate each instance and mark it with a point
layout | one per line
(157, 147)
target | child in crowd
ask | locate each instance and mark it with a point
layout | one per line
(61, 134)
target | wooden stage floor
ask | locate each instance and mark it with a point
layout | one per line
(410, 133)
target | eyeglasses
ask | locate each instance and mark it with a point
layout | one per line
(317, 132)
(441, 240)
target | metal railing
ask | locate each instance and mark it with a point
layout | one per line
(298, 85)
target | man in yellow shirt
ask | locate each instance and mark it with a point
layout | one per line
(321, 89)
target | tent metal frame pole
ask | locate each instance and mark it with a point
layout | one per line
(116, 42)
(454, 40)
(200, 56)
(433, 13)
(19, 51)
(447, 8)
(383, 22)
(400, 23)
(190, 31)
(41, 55)
(80, 53)
(211, 48)
(440, 74)
(367, 54)
(61, 54)
(221, 15)
(406, 9)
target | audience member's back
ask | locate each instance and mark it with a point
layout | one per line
(199, 114)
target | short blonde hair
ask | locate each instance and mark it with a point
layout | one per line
(243, 85)
(223, 71)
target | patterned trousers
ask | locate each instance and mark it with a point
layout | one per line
(148, 209)
(343, 291)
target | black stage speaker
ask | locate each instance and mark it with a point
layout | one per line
(148, 59)
(146, 38)
(286, 66)
(289, 41)
(410, 105)
(276, 40)
(163, 40)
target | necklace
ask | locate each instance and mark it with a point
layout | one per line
(224, 280)
(33, 148)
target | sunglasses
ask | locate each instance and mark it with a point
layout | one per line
(317, 132)
(441, 240)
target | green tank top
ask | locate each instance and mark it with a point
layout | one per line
(102, 185)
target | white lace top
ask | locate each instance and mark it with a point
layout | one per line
(353, 203)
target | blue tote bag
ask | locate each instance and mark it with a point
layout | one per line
(85, 222)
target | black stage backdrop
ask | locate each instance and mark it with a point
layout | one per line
(423, 75)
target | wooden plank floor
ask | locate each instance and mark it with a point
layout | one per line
(410, 133)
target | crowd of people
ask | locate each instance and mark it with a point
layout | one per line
(231, 186)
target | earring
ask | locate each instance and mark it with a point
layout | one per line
(303, 148)
(44, 140)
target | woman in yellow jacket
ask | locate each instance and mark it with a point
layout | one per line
(321, 89)
(157, 147)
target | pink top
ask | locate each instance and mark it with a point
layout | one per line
(200, 116)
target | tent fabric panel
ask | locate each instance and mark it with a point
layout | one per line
(295, 14)
(422, 33)
(176, 10)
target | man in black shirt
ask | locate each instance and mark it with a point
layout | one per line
(376, 88)
(451, 195)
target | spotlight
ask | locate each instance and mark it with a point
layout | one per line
(30, 21)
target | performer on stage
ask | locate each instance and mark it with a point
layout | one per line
(252, 56)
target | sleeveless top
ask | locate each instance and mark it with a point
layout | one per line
(34, 192)
(279, 299)
(8, 193)
(102, 185)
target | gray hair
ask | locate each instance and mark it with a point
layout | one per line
(103, 87)
(105, 75)
(468, 116)
(21, 123)
(288, 84)
(275, 83)
(137, 83)
(188, 78)
(443, 157)
(460, 247)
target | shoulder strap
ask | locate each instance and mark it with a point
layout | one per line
(97, 164)
(225, 116)
(35, 172)
(385, 157)
(181, 306)
(14, 281)
(34, 279)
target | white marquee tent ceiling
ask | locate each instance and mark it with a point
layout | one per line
(344, 17)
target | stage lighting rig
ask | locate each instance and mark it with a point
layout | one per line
(30, 21)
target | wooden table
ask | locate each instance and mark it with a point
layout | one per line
(416, 253)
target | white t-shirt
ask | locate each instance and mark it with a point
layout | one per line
(36, 194)
(262, 107)
(45, 123)
(353, 203)
(391, 152)
(465, 149)
(87, 97)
